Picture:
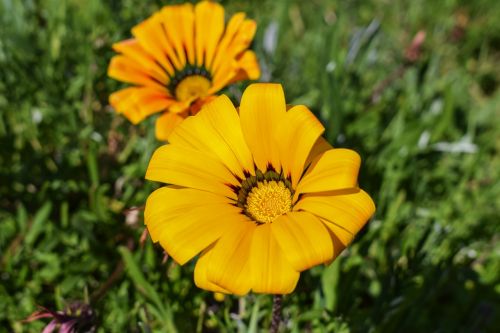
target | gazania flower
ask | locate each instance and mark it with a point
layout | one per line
(178, 59)
(258, 193)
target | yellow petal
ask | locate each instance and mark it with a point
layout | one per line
(200, 273)
(243, 36)
(349, 212)
(229, 266)
(341, 238)
(123, 102)
(272, 273)
(248, 67)
(319, 148)
(209, 21)
(150, 101)
(178, 165)
(223, 53)
(118, 98)
(300, 130)
(150, 35)
(262, 109)
(216, 129)
(165, 124)
(132, 49)
(305, 241)
(125, 69)
(184, 234)
(224, 76)
(178, 21)
(335, 169)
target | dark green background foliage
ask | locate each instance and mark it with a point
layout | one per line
(428, 131)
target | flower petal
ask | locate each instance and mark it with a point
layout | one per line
(183, 166)
(249, 67)
(209, 21)
(200, 273)
(348, 212)
(272, 273)
(165, 124)
(187, 221)
(319, 148)
(151, 36)
(133, 50)
(122, 102)
(125, 69)
(300, 130)
(335, 169)
(229, 266)
(178, 21)
(262, 109)
(305, 241)
(223, 53)
(216, 129)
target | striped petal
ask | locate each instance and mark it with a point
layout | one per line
(133, 50)
(209, 26)
(178, 21)
(223, 53)
(125, 69)
(150, 35)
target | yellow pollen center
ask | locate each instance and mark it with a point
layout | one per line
(268, 200)
(192, 87)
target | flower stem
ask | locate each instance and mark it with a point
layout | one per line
(276, 319)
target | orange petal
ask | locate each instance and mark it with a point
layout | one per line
(165, 124)
(209, 21)
(133, 50)
(150, 35)
(125, 69)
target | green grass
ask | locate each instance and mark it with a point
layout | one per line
(429, 261)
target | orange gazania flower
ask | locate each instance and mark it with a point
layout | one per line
(178, 59)
(258, 193)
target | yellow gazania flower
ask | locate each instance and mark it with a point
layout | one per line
(179, 58)
(259, 193)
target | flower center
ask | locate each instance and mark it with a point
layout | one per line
(192, 87)
(268, 200)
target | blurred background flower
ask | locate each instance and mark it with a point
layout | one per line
(178, 59)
